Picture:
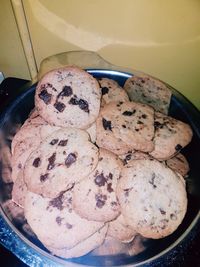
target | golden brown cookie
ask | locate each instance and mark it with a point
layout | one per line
(152, 197)
(68, 97)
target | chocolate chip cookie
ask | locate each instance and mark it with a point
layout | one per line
(94, 197)
(54, 221)
(171, 136)
(131, 122)
(68, 97)
(152, 197)
(148, 90)
(27, 140)
(62, 159)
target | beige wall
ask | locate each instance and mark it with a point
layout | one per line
(159, 37)
(12, 59)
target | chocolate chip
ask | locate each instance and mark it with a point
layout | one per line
(69, 226)
(74, 100)
(36, 162)
(19, 166)
(89, 192)
(45, 96)
(59, 220)
(66, 91)
(83, 104)
(114, 203)
(178, 147)
(53, 142)
(144, 116)
(109, 187)
(127, 191)
(110, 176)
(44, 177)
(144, 96)
(48, 85)
(51, 161)
(69, 200)
(59, 106)
(104, 90)
(162, 211)
(173, 217)
(100, 200)
(71, 158)
(138, 84)
(164, 223)
(128, 113)
(106, 124)
(158, 125)
(124, 126)
(100, 180)
(152, 181)
(63, 142)
(57, 202)
(119, 104)
(140, 122)
(128, 157)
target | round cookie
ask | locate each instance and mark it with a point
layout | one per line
(171, 136)
(62, 159)
(19, 190)
(54, 221)
(179, 164)
(68, 97)
(152, 197)
(94, 197)
(111, 91)
(120, 230)
(82, 248)
(148, 90)
(131, 122)
(30, 138)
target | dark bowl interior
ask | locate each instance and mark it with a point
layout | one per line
(180, 108)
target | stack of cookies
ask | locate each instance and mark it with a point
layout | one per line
(89, 164)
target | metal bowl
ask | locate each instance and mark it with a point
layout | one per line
(15, 109)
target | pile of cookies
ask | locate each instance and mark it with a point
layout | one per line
(95, 160)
